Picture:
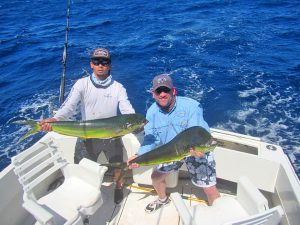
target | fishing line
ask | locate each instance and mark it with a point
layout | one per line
(63, 77)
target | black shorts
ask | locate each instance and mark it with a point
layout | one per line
(92, 147)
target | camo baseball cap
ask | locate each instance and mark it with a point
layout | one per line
(100, 53)
(162, 80)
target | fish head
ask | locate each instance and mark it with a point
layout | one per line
(140, 119)
(209, 146)
(200, 139)
(140, 124)
(135, 123)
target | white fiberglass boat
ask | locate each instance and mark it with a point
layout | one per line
(257, 182)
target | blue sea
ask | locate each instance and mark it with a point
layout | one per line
(240, 59)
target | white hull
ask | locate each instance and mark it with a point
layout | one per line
(238, 155)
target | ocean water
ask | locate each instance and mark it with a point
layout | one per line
(240, 59)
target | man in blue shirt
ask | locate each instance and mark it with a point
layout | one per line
(167, 117)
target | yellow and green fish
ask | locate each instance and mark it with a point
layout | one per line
(100, 128)
(179, 147)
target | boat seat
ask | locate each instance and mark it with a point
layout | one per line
(248, 207)
(269, 217)
(79, 195)
(142, 175)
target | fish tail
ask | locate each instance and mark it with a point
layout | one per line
(34, 128)
(119, 165)
(122, 175)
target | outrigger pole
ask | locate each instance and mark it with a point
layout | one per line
(63, 77)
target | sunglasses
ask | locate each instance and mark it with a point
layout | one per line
(162, 89)
(103, 62)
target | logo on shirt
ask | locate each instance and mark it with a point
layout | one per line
(184, 124)
(107, 95)
(181, 113)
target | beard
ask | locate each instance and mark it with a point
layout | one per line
(169, 106)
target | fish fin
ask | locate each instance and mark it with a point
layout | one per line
(34, 128)
(113, 138)
(121, 165)
(138, 130)
(118, 131)
(123, 174)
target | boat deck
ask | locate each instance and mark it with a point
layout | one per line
(136, 197)
(269, 170)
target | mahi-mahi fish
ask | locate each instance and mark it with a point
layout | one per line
(195, 137)
(100, 128)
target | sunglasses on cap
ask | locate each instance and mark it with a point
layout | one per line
(162, 89)
(103, 62)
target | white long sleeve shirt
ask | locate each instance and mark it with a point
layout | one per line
(95, 102)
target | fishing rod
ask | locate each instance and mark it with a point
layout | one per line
(63, 77)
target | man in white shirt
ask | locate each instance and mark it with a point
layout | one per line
(99, 97)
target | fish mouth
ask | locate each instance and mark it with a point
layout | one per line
(144, 122)
(140, 128)
(214, 142)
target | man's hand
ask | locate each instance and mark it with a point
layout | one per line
(195, 153)
(45, 125)
(132, 165)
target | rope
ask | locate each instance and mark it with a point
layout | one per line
(63, 77)
(191, 198)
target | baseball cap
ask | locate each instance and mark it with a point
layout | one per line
(100, 53)
(162, 80)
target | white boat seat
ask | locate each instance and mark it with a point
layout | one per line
(79, 195)
(142, 175)
(249, 205)
(270, 217)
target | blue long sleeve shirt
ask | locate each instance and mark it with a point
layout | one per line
(162, 126)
